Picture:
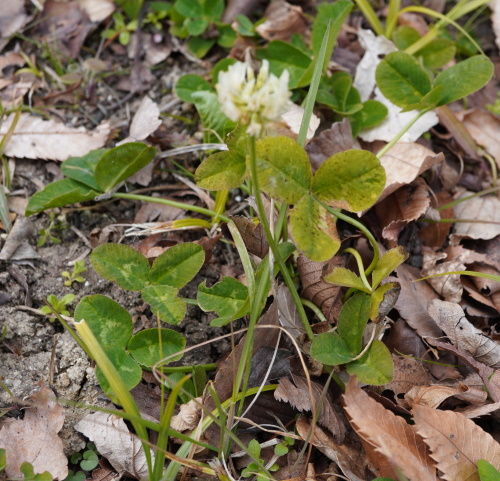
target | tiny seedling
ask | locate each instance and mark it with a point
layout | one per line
(255, 468)
(59, 305)
(50, 233)
(86, 460)
(74, 276)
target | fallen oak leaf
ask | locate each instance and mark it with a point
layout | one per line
(433, 396)
(457, 443)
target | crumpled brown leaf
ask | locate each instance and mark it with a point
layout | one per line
(451, 319)
(433, 396)
(457, 443)
(12, 19)
(34, 439)
(188, 417)
(391, 435)
(282, 20)
(35, 138)
(115, 442)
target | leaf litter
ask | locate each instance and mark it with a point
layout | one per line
(445, 352)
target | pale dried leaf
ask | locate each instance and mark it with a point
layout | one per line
(485, 208)
(391, 435)
(188, 417)
(98, 10)
(471, 412)
(114, 441)
(348, 459)
(292, 118)
(495, 19)
(12, 19)
(288, 313)
(297, 394)
(34, 439)
(282, 20)
(146, 120)
(448, 286)
(457, 443)
(412, 303)
(35, 138)
(451, 319)
(404, 163)
(433, 396)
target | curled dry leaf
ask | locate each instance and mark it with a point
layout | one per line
(349, 459)
(188, 417)
(325, 295)
(282, 21)
(35, 138)
(97, 10)
(389, 434)
(451, 319)
(114, 441)
(433, 396)
(252, 234)
(457, 443)
(486, 209)
(404, 163)
(34, 439)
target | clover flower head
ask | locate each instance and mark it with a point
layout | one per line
(254, 101)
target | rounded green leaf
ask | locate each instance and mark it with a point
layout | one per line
(225, 298)
(90, 460)
(190, 83)
(178, 265)
(437, 53)
(152, 345)
(130, 372)
(58, 194)
(283, 169)
(165, 303)
(392, 259)
(375, 367)
(110, 323)
(314, 230)
(401, 79)
(82, 169)
(121, 264)
(330, 349)
(120, 163)
(352, 180)
(221, 171)
(464, 78)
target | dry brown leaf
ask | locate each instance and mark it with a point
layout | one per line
(282, 20)
(297, 394)
(486, 208)
(98, 10)
(451, 319)
(325, 295)
(391, 435)
(146, 120)
(348, 459)
(412, 303)
(448, 286)
(288, 313)
(35, 138)
(402, 207)
(34, 439)
(471, 412)
(404, 163)
(12, 19)
(114, 441)
(433, 396)
(495, 20)
(252, 234)
(457, 443)
(188, 417)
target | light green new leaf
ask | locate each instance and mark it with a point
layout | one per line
(314, 230)
(82, 169)
(129, 371)
(464, 78)
(285, 56)
(487, 472)
(352, 321)
(375, 367)
(149, 346)
(401, 79)
(189, 84)
(58, 194)
(221, 171)
(121, 264)
(283, 169)
(178, 265)
(212, 117)
(120, 163)
(387, 263)
(383, 300)
(338, 93)
(165, 303)
(226, 298)
(330, 349)
(110, 323)
(340, 276)
(352, 180)
(437, 53)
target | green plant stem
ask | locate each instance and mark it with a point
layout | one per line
(395, 140)
(392, 17)
(272, 243)
(314, 308)
(172, 203)
(361, 268)
(220, 204)
(370, 15)
(206, 367)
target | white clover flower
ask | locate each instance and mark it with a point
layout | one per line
(255, 102)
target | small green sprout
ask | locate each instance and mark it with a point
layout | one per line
(57, 223)
(59, 305)
(74, 276)
(121, 29)
(254, 468)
